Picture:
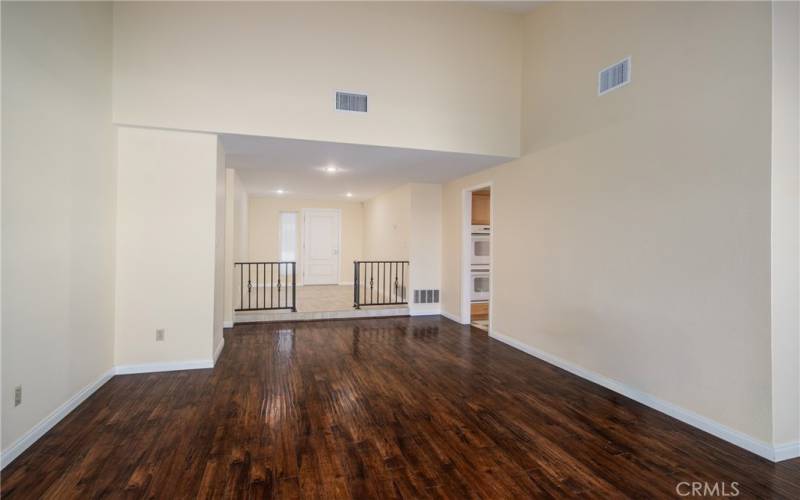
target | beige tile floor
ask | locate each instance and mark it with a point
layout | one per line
(310, 298)
(324, 298)
(328, 298)
(316, 302)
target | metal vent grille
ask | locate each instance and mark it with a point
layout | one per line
(614, 76)
(426, 296)
(347, 101)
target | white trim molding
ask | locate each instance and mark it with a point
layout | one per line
(413, 311)
(218, 351)
(740, 439)
(38, 430)
(47, 423)
(197, 364)
(786, 451)
(451, 317)
(227, 324)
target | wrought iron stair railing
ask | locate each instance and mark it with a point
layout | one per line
(380, 282)
(265, 286)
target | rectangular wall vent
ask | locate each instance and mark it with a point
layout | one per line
(426, 296)
(614, 77)
(348, 101)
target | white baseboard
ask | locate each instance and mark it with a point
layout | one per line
(706, 424)
(787, 451)
(164, 367)
(227, 324)
(451, 317)
(424, 312)
(776, 453)
(38, 430)
(219, 350)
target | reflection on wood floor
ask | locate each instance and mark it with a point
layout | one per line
(379, 408)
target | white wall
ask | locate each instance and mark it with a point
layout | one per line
(168, 186)
(439, 76)
(632, 239)
(786, 223)
(57, 207)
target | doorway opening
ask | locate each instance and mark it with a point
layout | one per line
(307, 202)
(476, 299)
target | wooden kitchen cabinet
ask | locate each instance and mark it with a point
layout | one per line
(479, 310)
(480, 208)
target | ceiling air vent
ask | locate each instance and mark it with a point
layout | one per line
(614, 76)
(348, 101)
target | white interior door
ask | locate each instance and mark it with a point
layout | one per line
(321, 242)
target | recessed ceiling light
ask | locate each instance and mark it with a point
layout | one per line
(331, 169)
(280, 191)
(349, 195)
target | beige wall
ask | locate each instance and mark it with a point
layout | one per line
(785, 222)
(425, 243)
(406, 224)
(167, 207)
(439, 76)
(57, 207)
(263, 215)
(236, 236)
(220, 217)
(632, 238)
(230, 238)
(387, 225)
(241, 228)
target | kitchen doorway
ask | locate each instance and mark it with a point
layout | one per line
(477, 257)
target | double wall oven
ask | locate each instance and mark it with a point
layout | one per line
(479, 283)
(479, 261)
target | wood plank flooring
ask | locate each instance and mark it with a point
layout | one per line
(382, 408)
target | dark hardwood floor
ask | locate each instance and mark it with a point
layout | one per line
(383, 408)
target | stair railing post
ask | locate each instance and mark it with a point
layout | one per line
(356, 280)
(294, 286)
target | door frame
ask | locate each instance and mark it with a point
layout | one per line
(466, 254)
(303, 253)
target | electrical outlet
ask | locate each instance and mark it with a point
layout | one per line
(160, 335)
(17, 395)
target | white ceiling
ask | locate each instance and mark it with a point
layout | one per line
(519, 7)
(267, 164)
